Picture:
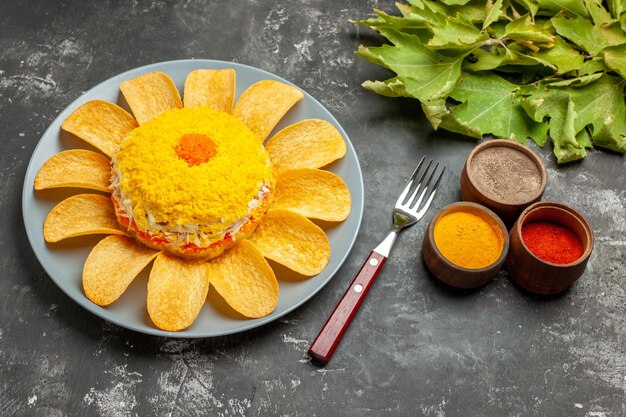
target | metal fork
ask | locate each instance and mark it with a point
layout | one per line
(406, 212)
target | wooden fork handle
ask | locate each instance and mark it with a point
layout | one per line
(328, 338)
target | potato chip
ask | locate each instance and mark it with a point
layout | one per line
(293, 241)
(212, 88)
(177, 289)
(264, 103)
(111, 266)
(313, 193)
(150, 95)
(245, 280)
(310, 143)
(75, 168)
(80, 215)
(101, 124)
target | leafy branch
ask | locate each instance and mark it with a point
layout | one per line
(514, 69)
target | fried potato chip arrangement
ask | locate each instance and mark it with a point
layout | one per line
(177, 286)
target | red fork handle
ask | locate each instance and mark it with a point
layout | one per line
(328, 338)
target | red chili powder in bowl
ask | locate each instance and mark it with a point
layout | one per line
(552, 242)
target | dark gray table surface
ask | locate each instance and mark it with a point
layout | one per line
(414, 348)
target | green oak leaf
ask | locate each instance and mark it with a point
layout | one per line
(592, 38)
(615, 58)
(491, 105)
(425, 74)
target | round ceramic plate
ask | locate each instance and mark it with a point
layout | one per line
(64, 261)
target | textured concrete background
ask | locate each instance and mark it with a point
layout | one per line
(414, 348)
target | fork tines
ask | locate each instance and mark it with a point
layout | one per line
(412, 203)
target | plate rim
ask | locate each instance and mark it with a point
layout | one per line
(252, 324)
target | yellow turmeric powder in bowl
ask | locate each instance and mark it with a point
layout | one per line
(468, 240)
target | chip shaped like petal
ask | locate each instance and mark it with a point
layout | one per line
(80, 215)
(111, 266)
(78, 168)
(212, 88)
(292, 240)
(245, 280)
(177, 289)
(313, 193)
(150, 95)
(264, 103)
(310, 143)
(101, 124)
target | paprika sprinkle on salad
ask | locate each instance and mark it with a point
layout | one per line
(552, 242)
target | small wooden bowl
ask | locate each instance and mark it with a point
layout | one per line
(450, 273)
(507, 211)
(533, 273)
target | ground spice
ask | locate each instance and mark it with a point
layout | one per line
(467, 240)
(505, 174)
(552, 242)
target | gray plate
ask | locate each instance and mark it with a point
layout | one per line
(64, 261)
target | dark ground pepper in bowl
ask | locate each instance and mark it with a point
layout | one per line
(504, 176)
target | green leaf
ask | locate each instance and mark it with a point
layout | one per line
(367, 54)
(590, 37)
(456, 32)
(615, 58)
(392, 87)
(498, 57)
(408, 21)
(601, 106)
(598, 105)
(473, 12)
(525, 29)
(562, 56)
(447, 54)
(531, 6)
(425, 74)
(490, 104)
(572, 6)
(556, 106)
(599, 14)
(616, 7)
(442, 118)
(583, 139)
(493, 11)
(455, 2)
(595, 64)
(574, 82)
